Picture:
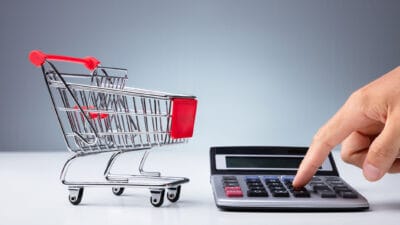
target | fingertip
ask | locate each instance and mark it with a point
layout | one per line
(297, 182)
(371, 173)
(301, 179)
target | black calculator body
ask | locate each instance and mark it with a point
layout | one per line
(260, 178)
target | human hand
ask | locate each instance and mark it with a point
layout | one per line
(368, 125)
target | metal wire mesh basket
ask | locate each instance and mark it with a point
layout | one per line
(98, 114)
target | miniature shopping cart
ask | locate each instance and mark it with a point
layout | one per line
(98, 114)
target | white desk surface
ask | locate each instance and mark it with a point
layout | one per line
(31, 193)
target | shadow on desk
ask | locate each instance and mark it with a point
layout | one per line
(385, 206)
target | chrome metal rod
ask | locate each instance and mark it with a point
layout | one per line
(141, 165)
(64, 170)
(110, 163)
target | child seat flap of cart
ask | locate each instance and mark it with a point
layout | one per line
(97, 113)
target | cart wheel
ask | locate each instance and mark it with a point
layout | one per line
(173, 194)
(157, 197)
(75, 195)
(118, 190)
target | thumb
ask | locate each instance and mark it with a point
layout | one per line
(383, 150)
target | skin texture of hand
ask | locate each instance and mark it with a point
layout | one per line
(367, 125)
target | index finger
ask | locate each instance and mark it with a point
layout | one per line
(331, 134)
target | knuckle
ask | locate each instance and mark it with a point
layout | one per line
(362, 95)
(380, 153)
(346, 156)
(360, 100)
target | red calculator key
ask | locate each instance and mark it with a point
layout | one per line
(234, 193)
(236, 188)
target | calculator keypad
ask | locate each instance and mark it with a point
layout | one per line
(281, 187)
(276, 187)
(231, 186)
(255, 187)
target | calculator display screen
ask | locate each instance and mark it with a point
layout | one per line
(262, 162)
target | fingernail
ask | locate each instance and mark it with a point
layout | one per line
(371, 172)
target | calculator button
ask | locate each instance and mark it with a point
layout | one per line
(327, 194)
(270, 177)
(333, 179)
(335, 183)
(280, 193)
(252, 179)
(255, 185)
(229, 178)
(316, 179)
(237, 188)
(274, 184)
(288, 183)
(257, 193)
(301, 194)
(341, 188)
(320, 187)
(287, 179)
(230, 181)
(257, 188)
(272, 181)
(277, 188)
(234, 193)
(300, 189)
(348, 194)
(231, 184)
(290, 187)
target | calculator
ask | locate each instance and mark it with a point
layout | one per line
(260, 178)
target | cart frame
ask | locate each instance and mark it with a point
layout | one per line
(102, 115)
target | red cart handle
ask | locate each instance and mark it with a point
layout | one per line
(38, 58)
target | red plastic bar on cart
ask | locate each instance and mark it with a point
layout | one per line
(182, 118)
(38, 58)
(93, 115)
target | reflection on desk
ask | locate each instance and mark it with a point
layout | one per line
(32, 194)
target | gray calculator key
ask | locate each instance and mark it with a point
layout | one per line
(301, 194)
(278, 188)
(231, 184)
(278, 184)
(229, 178)
(316, 179)
(257, 193)
(255, 185)
(280, 193)
(256, 188)
(327, 194)
(333, 179)
(335, 183)
(272, 180)
(348, 194)
(320, 187)
(341, 188)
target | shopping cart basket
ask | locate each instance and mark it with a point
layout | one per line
(98, 114)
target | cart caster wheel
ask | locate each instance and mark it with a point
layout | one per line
(75, 195)
(173, 194)
(118, 190)
(157, 197)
